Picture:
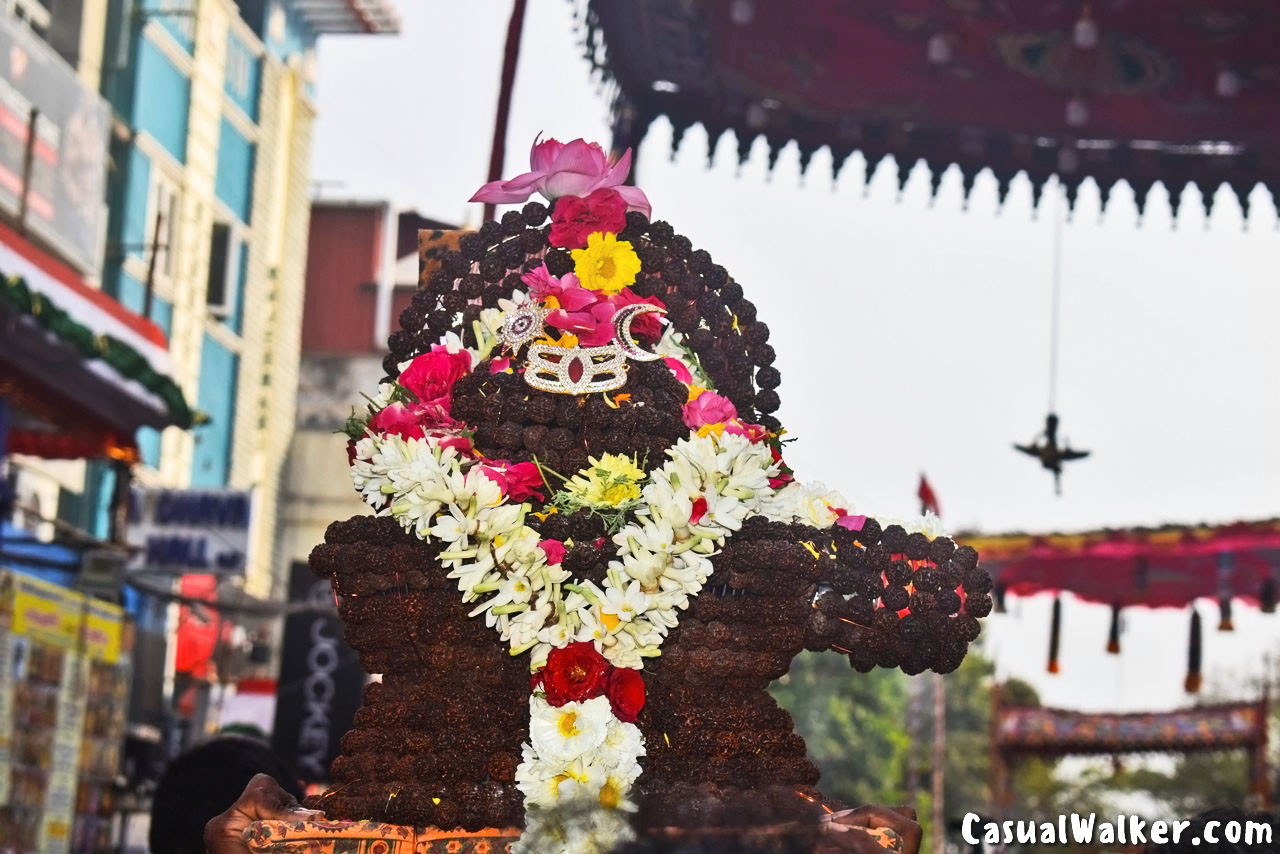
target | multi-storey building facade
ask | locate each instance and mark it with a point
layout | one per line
(209, 209)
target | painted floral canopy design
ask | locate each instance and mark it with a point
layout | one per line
(1181, 91)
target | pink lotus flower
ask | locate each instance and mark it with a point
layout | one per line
(566, 169)
(518, 481)
(554, 550)
(574, 219)
(708, 408)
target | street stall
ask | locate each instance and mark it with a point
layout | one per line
(63, 696)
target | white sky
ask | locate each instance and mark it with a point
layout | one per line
(911, 337)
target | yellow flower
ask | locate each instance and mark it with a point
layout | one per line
(610, 481)
(564, 342)
(607, 264)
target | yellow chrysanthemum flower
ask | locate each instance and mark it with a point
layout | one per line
(607, 264)
(610, 481)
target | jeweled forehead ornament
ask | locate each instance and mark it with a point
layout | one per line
(586, 370)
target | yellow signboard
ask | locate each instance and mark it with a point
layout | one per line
(46, 612)
(103, 631)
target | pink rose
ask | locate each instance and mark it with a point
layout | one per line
(430, 377)
(554, 550)
(708, 408)
(573, 219)
(566, 169)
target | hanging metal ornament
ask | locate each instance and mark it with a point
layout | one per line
(1044, 446)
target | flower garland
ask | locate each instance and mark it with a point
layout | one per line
(586, 642)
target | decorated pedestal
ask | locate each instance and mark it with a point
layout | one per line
(371, 837)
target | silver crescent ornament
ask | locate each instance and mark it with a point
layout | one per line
(622, 320)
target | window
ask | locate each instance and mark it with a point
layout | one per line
(163, 211)
(33, 13)
(223, 263)
(237, 69)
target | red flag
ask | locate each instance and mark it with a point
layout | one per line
(928, 501)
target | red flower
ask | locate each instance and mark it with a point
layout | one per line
(413, 421)
(626, 693)
(575, 672)
(401, 420)
(518, 481)
(646, 324)
(574, 218)
(554, 550)
(699, 509)
(431, 376)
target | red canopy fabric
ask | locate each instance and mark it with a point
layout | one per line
(1183, 90)
(1158, 568)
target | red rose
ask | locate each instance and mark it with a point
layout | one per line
(431, 376)
(575, 672)
(574, 218)
(626, 693)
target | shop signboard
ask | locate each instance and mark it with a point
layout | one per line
(50, 117)
(320, 680)
(196, 531)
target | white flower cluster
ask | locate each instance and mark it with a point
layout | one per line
(663, 556)
(576, 775)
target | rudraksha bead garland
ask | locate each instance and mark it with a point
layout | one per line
(703, 302)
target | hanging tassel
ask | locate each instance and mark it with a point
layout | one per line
(999, 591)
(1224, 615)
(1113, 637)
(1055, 629)
(1192, 683)
(1268, 595)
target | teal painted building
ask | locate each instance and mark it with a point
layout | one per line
(208, 199)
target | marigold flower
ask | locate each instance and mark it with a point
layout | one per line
(607, 264)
